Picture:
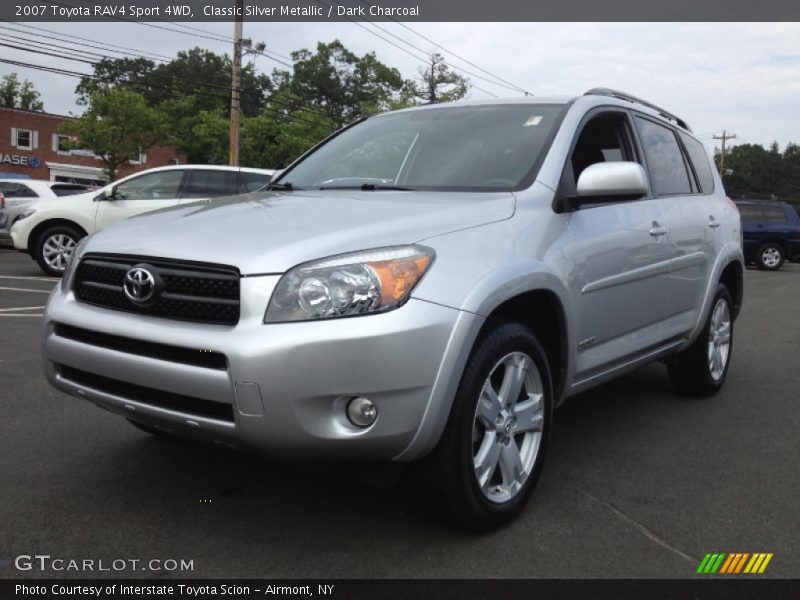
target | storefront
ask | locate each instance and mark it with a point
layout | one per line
(32, 148)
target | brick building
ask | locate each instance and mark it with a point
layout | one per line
(31, 147)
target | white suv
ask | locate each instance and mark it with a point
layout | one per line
(49, 230)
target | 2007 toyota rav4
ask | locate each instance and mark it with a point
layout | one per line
(428, 283)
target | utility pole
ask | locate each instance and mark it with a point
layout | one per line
(724, 137)
(233, 151)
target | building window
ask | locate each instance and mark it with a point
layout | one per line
(137, 158)
(62, 143)
(23, 139)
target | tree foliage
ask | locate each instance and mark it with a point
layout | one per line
(118, 123)
(438, 83)
(757, 172)
(283, 114)
(19, 94)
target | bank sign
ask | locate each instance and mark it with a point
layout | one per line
(22, 161)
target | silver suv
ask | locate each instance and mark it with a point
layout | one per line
(427, 284)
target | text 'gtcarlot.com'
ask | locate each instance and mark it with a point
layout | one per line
(45, 562)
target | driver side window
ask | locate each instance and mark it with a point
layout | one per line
(162, 185)
(606, 138)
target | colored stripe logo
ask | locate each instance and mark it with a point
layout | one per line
(733, 563)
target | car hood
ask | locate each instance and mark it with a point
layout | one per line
(274, 231)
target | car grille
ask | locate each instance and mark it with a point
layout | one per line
(196, 292)
(208, 359)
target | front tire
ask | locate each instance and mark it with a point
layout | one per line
(54, 247)
(491, 453)
(700, 370)
(770, 257)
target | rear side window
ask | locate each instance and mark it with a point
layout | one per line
(750, 212)
(699, 159)
(208, 183)
(668, 174)
(252, 182)
(16, 190)
(68, 189)
(775, 214)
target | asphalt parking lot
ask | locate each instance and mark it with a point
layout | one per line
(639, 481)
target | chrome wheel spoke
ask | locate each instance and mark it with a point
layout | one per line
(529, 414)
(485, 462)
(489, 406)
(513, 378)
(511, 465)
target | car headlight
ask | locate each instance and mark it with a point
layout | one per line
(351, 284)
(72, 263)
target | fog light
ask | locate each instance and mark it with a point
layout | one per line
(361, 412)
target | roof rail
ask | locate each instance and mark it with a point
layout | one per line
(625, 96)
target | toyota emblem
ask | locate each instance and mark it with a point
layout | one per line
(139, 285)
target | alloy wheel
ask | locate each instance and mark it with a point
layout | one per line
(719, 339)
(57, 249)
(507, 427)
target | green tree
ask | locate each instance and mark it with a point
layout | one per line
(19, 94)
(197, 81)
(337, 83)
(438, 83)
(117, 124)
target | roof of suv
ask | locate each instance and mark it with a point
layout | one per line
(599, 95)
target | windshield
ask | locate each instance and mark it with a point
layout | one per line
(471, 148)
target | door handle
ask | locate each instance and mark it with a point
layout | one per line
(657, 230)
(713, 223)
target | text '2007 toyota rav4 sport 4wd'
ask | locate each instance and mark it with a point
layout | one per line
(424, 284)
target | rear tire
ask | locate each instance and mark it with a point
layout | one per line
(490, 456)
(700, 370)
(54, 247)
(770, 257)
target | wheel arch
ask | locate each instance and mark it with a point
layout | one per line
(40, 228)
(543, 312)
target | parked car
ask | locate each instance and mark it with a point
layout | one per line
(49, 230)
(19, 194)
(427, 285)
(771, 232)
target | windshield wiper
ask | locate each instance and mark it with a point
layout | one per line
(368, 187)
(285, 187)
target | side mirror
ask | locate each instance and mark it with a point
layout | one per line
(612, 181)
(107, 193)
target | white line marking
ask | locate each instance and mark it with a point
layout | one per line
(25, 290)
(31, 278)
(2, 310)
(34, 315)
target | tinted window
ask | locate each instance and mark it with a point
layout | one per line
(252, 182)
(68, 189)
(211, 184)
(16, 190)
(750, 212)
(699, 158)
(162, 185)
(776, 214)
(664, 159)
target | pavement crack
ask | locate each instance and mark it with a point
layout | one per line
(638, 526)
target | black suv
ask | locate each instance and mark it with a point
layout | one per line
(771, 232)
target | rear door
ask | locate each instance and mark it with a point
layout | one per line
(140, 194)
(754, 229)
(692, 216)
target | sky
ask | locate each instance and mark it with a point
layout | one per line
(740, 77)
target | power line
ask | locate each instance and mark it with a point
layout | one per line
(504, 83)
(461, 58)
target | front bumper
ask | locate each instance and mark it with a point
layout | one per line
(284, 387)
